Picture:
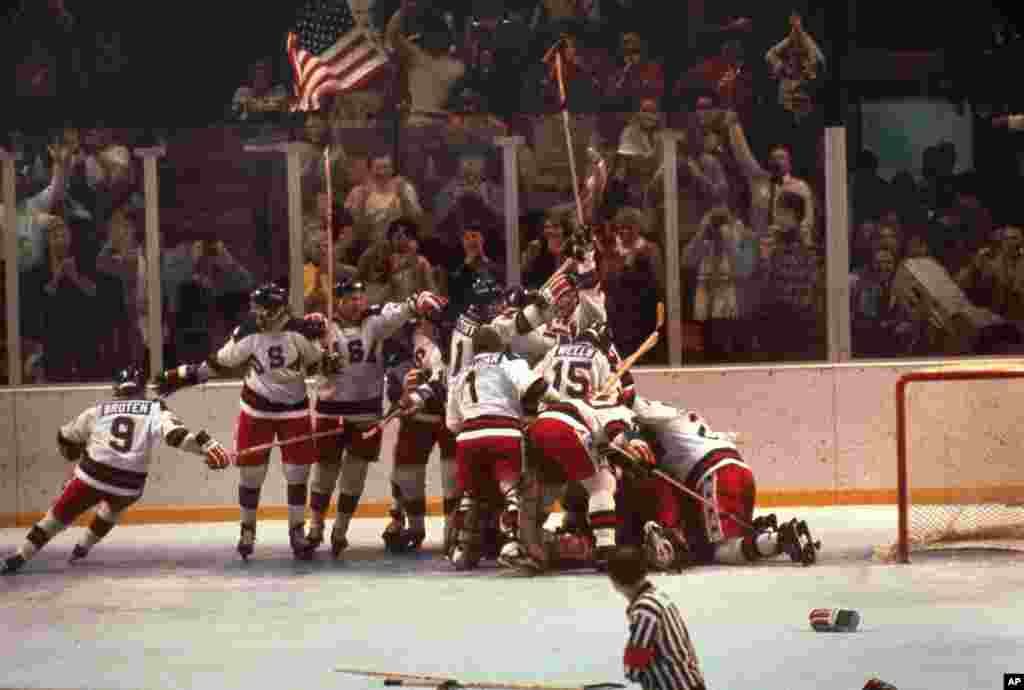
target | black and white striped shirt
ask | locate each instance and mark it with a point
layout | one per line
(659, 654)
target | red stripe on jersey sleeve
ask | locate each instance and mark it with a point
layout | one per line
(638, 657)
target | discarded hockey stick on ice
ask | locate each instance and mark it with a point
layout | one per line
(440, 682)
(644, 348)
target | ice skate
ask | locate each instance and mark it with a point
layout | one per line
(338, 541)
(412, 539)
(246, 541)
(12, 564)
(465, 556)
(315, 535)
(301, 546)
(515, 557)
(78, 553)
(392, 535)
(796, 542)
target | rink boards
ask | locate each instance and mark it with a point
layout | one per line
(815, 435)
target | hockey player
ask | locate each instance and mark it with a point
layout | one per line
(418, 387)
(354, 400)
(485, 408)
(676, 528)
(278, 352)
(112, 443)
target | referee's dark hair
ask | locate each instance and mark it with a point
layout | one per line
(627, 565)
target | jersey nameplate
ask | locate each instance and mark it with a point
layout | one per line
(580, 350)
(134, 407)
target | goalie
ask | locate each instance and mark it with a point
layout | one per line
(711, 521)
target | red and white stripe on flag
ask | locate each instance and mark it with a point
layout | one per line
(348, 65)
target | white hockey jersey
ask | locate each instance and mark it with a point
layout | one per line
(119, 436)
(492, 385)
(520, 330)
(275, 384)
(426, 357)
(683, 438)
(356, 393)
(576, 370)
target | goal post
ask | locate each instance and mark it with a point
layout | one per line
(991, 510)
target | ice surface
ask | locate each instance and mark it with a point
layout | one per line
(172, 606)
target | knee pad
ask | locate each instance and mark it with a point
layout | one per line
(325, 476)
(353, 476)
(411, 480)
(295, 474)
(252, 476)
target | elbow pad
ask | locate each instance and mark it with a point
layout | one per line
(69, 449)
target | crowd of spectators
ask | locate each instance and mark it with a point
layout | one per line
(412, 195)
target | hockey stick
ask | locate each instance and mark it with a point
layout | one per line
(664, 476)
(644, 348)
(290, 441)
(379, 426)
(424, 681)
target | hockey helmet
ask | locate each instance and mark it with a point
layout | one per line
(129, 382)
(269, 305)
(598, 334)
(517, 297)
(486, 298)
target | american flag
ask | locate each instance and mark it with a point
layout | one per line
(330, 54)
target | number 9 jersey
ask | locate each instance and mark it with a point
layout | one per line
(119, 436)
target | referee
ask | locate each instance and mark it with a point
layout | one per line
(659, 654)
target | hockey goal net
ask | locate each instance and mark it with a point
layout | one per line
(960, 465)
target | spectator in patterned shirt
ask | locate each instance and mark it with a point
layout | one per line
(796, 282)
(659, 653)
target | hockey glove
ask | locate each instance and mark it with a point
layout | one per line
(410, 403)
(635, 448)
(314, 326)
(217, 456)
(183, 376)
(414, 378)
(333, 363)
(559, 287)
(427, 303)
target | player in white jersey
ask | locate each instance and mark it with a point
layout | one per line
(710, 465)
(278, 352)
(353, 400)
(417, 385)
(113, 443)
(518, 326)
(485, 409)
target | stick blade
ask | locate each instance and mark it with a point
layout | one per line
(661, 315)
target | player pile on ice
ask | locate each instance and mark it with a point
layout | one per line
(523, 394)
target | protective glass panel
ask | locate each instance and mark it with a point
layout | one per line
(934, 253)
(223, 230)
(79, 212)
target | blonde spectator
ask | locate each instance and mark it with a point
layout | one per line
(383, 198)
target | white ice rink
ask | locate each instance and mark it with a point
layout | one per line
(172, 606)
